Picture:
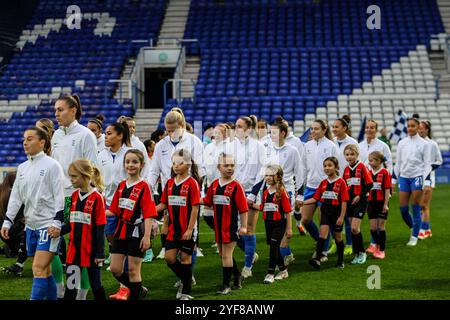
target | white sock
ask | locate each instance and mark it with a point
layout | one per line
(60, 290)
(82, 294)
(122, 286)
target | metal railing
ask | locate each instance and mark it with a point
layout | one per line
(178, 91)
(439, 80)
(132, 95)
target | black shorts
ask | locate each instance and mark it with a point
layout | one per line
(186, 246)
(129, 247)
(275, 230)
(329, 216)
(375, 210)
(358, 210)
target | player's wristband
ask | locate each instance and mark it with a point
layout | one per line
(300, 197)
(6, 224)
(56, 224)
(394, 181)
(251, 197)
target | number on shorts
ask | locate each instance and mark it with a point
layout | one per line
(418, 181)
(73, 277)
(43, 236)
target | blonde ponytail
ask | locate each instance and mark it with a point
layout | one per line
(97, 179)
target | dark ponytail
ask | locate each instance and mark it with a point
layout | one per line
(345, 122)
(415, 117)
(98, 121)
(428, 125)
(122, 128)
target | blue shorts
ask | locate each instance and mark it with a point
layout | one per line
(40, 240)
(309, 193)
(410, 184)
(111, 225)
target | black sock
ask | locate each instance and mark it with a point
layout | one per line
(375, 236)
(355, 243)
(382, 237)
(227, 275)
(70, 294)
(236, 272)
(62, 251)
(110, 248)
(176, 268)
(99, 294)
(186, 278)
(124, 279)
(319, 248)
(340, 251)
(135, 290)
(360, 243)
(163, 240)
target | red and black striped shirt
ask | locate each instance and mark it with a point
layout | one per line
(180, 198)
(275, 209)
(332, 192)
(358, 179)
(87, 218)
(381, 182)
(229, 201)
(132, 204)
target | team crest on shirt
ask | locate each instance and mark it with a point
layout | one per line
(42, 173)
(74, 142)
(89, 205)
(135, 192)
(228, 190)
(184, 189)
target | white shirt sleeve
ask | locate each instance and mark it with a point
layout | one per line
(90, 147)
(398, 163)
(262, 161)
(427, 162)
(198, 156)
(436, 155)
(56, 176)
(14, 204)
(155, 168)
(388, 154)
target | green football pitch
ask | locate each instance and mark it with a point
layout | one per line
(421, 272)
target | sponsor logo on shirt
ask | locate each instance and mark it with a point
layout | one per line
(80, 217)
(353, 181)
(74, 142)
(376, 186)
(330, 195)
(125, 203)
(270, 207)
(221, 200)
(177, 201)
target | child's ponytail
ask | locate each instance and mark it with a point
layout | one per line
(97, 179)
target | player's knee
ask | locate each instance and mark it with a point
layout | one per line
(169, 259)
(39, 270)
(355, 230)
(116, 270)
(133, 271)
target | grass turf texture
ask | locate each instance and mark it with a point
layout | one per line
(421, 272)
